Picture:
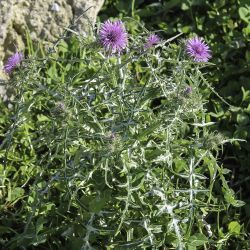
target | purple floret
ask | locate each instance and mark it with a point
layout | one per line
(151, 41)
(12, 62)
(113, 36)
(198, 49)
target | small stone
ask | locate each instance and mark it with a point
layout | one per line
(55, 7)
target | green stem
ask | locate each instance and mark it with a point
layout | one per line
(133, 8)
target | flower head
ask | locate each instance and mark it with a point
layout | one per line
(12, 62)
(198, 49)
(113, 36)
(188, 90)
(151, 41)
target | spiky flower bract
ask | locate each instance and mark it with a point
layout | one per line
(113, 36)
(198, 49)
(151, 41)
(12, 62)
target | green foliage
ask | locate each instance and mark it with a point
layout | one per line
(111, 153)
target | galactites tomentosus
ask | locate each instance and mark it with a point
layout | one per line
(12, 62)
(198, 50)
(112, 144)
(113, 36)
(152, 40)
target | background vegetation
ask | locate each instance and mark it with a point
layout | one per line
(226, 27)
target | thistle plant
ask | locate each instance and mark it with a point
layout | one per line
(112, 149)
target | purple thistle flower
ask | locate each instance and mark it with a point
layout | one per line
(198, 49)
(151, 41)
(113, 36)
(12, 62)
